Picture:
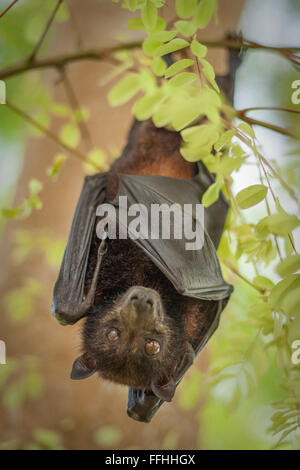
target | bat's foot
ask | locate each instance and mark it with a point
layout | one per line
(142, 405)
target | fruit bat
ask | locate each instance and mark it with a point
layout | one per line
(149, 304)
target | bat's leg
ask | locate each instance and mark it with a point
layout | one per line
(83, 308)
(89, 300)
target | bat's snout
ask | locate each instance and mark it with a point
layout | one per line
(142, 299)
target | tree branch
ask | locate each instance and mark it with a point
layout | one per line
(8, 8)
(268, 125)
(64, 59)
(40, 41)
(244, 111)
(230, 266)
(50, 134)
(104, 54)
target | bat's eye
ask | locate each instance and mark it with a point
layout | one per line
(113, 335)
(152, 347)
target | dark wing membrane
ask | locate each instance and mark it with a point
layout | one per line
(194, 273)
(69, 287)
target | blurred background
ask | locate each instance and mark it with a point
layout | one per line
(224, 402)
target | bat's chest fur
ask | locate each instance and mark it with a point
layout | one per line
(125, 265)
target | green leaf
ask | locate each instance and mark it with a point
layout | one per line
(108, 436)
(54, 170)
(224, 139)
(80, 115)
(186, 116)
(149, 15)
(200, 135)
(211, 195)
(247, 129)
(48, 439)
(263, 282)
(282, 289)
(150, 45)
(135, 24)
(160, 24)
(204, 12)
(183, 79)
(172, 46)
(147, 105)
(279, 224)
(125, 90)
(159, 66)
(162, 36)
(11, 213)
(194, 154)
(209, 73)
(130, 4)
(70, 135)
(178, 67)
(162, 116)
(35, 186)
(185, 8)
(186, 28)
(251, 196)
(198, 49)
(96, 159)
(291, 302)
(289, 265)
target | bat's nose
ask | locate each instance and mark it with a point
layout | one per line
(142, 299)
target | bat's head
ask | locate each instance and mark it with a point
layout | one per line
(136, 333)
(132, 341)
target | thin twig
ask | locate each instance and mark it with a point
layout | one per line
(75, 26)
(275, 173)
(8, 8)
(263, 161)
(237, 273)
(40, 41)
(267, 125)
(244, 111)
(268, 206)
(49, 134)
(76, 107)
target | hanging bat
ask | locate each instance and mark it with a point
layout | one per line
(150, 305)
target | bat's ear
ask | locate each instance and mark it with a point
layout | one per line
(164, 391)
(83, 367)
